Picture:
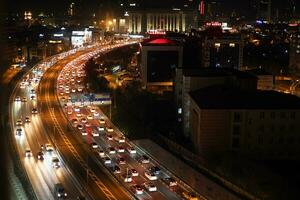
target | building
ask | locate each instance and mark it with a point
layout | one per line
(259, 124)
(264, 10)
(223, 50)
(159, 59)
(188, 80)
(265, 80)
(140, 22)
(294, 60)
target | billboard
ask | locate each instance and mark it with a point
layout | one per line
(79, 38)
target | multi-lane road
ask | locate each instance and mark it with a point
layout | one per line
(95, 159)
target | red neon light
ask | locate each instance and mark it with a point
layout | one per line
(201, 8)
(213, 24)
(161, 41)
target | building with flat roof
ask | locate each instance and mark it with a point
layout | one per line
(159, 59)
(294, 52)
(260, 124)
(265, 80)
(188, 80)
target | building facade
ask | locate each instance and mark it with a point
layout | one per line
(294, 60)
(251, 124)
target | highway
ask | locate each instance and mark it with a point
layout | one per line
(80, 159)
(88, 119)
(40, 172)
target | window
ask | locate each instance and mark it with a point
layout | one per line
(261, 115)
(235, 143)
(293, 115)
(292, 127)
(272, 128)
(271, 140)
(237, 117)
(236, 130)
(282, 115)
(260, 139)
(261, 128)
(272, 115)
(282, 128)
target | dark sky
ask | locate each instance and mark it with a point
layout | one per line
(59, 6)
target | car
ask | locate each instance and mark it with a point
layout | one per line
(134, 172)
(40, 155)
(100, 128)
(131, 150)
(90, 117)
(116, 169)
(83, 132)
(121, 139)
(19, 131)
(83, 120)
(87, 125)
(74, 121)
(24, 99)
(79, 126)
(95, 134)
(189, 195)
(128, 178)
(60, 191)
(32, 91)
(18, 98)
(102, 121)
(28, 153)
(70, 112)
(107, 160)
(109, 137)
(55, 162)
(111, 150)
(121, 149)
(80, 198)
(101, 153)
(19, 122)
(78, 114)
(49, 147)
(154, 169)
(109, 129)
(34, 111)
(145, 159)
(94, 145)
(121, 161)
(170, 181)
(93, 110)
(32, 97)
(96, 114)
(27, 119)
(150, 175)
(150, 186)
(77, 109)
(138, 189)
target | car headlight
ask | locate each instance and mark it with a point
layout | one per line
(59, 195)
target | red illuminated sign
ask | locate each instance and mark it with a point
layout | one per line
(213, 24)
(201, 8)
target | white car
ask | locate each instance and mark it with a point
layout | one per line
(28, 153)
(93, 110)
(55, 162)
(150, 187)
(27, 119)
(150, 176)
(19, 122)
(83, 132)
(107, 160)
(34, 111)
(83, 120)
(19, 131)
(121, 139)
(94, 145)
(102, 121)
(128, 178)
(101, 153)
(138, 189)
(131, 150)
(70, 112)
(121, 149)
(109, 137)
(95, 133)
(80, 127)
(49, 147)
(18, 98)
(101, 128)
(109, 129)
(145, 159)
(134, 172)
(111, 150)
(96, 114)
(77, 109)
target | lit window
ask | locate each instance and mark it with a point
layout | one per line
(217, 45)
(179, 110)
(231, 44)
(297, 51)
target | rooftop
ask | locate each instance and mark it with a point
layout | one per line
(258, 72)
(221, 97)
(213, 72)
(159, 42)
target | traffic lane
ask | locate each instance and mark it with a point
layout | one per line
(50, 79)
(34, 138)
(132, 160)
